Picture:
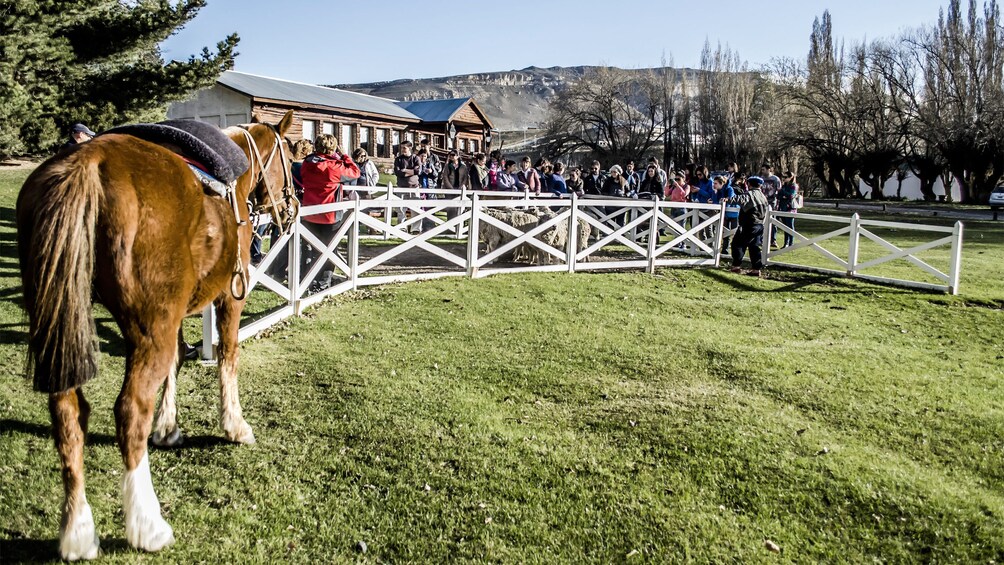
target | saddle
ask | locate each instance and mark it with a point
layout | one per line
(214, 158)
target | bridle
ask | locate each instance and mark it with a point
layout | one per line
(239, 281)
(289, 201)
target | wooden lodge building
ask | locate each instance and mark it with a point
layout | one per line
(357, 120)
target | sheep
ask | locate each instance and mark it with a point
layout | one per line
(556, 236)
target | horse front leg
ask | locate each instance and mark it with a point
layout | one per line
(77, 536)
(228, 318)
(166, 432)
(146, 529)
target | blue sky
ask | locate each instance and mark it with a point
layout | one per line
(350, 42)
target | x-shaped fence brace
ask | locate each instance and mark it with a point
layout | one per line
(521, 237)
(857, 228)
(801, 241)
(908, 254)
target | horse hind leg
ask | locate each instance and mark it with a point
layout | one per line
(77, 536)
(235, 427)
(146, 529)
(166, 432)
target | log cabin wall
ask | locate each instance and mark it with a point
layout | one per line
(363, 123)
(376, 136)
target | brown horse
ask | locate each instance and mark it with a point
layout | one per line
(127, 220)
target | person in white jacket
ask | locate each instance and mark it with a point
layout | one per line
(368, 173)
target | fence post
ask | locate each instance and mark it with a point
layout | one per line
(573, 233)
(293, 268)
(632, 215)
(852, 256)
(354, 246)
(955, 266)
(472, 238)
(765, 238)
(208, 334)
(719, 235)
(460, 210)
(388, 211)
(653, 235)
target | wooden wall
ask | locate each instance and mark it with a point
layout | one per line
(363, 127)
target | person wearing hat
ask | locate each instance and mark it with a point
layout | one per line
(434, 164)
(79, 133)
(454, 176)
(752, 211)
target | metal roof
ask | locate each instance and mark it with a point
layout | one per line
(434, 110)
(276, 89)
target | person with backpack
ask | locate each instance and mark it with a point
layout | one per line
(789, 199)
(479, 172)
(529, 176)
(725, 193)
(752, 211)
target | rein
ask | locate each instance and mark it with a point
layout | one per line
(239, 281)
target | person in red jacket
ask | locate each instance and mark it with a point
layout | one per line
(322, 173)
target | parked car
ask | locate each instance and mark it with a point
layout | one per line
(997, 198)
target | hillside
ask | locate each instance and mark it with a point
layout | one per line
(514, 100)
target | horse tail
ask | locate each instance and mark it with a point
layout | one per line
(56, 216)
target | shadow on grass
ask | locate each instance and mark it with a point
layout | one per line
(14, 334)
(813, 283)
(45, 432)
(26, 550)
(7, 217)
(111, 342)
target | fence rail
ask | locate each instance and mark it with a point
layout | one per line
(856, 228)
(378, 227)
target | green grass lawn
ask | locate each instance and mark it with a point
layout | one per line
(611, 417)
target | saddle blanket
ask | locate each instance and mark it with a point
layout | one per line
(205, 144)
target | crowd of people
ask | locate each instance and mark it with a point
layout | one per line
(322, 172)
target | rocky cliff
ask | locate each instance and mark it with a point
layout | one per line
(514, 100)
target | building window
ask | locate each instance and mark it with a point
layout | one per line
(381, 142)
(395, 140)
(463, 145)
(347, 142)
(364, 139)
(410, 136)
(309, 129)
(328, 128)
(474, 145)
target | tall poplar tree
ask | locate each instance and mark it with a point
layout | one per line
(93, 61)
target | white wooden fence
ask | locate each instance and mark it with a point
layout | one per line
(849, 264)
(368, 237)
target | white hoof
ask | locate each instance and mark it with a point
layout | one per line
(240, 434)
(78, 540)
(145, 528)
(174, 438)
(149, 533)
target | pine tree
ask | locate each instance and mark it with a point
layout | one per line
(93, 61)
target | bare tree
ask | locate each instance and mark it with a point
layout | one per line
(962, 111)
(818, 104)
(610, 114)
(847, 116)
(878, 121)
(671, 91)
(733, 102)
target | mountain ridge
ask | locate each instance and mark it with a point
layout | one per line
(514, 100)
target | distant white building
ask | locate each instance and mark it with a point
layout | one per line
(910, 188)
